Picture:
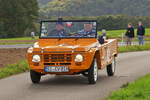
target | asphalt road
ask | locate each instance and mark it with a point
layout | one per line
(16, 46)
(29, 45)
(130, 66)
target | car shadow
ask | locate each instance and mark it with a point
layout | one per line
(69, 81)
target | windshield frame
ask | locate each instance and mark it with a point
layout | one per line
(66, 21)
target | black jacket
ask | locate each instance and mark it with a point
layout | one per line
(141, 30)
(130, 32)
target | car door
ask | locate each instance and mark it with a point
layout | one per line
(102, 56)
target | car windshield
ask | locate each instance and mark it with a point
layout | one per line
(71, 29)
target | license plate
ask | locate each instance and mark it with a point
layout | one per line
(56, 69)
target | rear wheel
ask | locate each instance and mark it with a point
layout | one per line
(93, 72)
(111, 68)
(35, 77)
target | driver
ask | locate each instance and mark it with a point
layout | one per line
(59, 31)
(87, 31)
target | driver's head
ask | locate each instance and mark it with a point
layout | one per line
(59, 26)
(87, 27)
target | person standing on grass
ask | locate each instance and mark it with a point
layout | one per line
(104, 34)
(140, 33)
(32, 35)
(129, 34)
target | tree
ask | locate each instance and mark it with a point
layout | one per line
(96, 7)
(17, 16)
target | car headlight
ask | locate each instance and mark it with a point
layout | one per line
(78, 58)
(36, 58)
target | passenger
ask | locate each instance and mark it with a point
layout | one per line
(59, 31)
(87, 31)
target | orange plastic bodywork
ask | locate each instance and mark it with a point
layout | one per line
(89, 48)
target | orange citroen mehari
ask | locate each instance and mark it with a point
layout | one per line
(69, 47)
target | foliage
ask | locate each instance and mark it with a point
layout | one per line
(12, 69)
(111, 14)
(16, 17)
(113, 22)
(96, 7)
(42, 2)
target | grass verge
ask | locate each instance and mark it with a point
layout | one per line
(138, 90)
(20, 38)
(134, 48)
(11, 69)
(134, 39)
(118, 33)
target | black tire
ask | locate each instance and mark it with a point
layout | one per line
(35, 77)
(111, 68)
(93, 72)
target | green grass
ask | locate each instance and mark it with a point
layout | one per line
(22, 38)
(134, 48)
(134, 40)
(118, 33)
(11, 69)
(138, 90)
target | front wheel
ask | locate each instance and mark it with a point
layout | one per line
(35, 77)
(93, 72)
(111, 68)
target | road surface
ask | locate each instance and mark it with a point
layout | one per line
(130, 67)
(29, 45)
(16, 46)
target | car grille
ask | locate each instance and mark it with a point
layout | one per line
(57, 58)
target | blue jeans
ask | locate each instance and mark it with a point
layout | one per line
(141, 41)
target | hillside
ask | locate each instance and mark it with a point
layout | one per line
(94, 7)
(43, 2)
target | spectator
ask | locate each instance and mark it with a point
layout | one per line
(140, 33)
(32, 35)
(129, 34)
(104, 34)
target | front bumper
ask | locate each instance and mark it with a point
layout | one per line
(74, 67)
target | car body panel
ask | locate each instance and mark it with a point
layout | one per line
(89, 48)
